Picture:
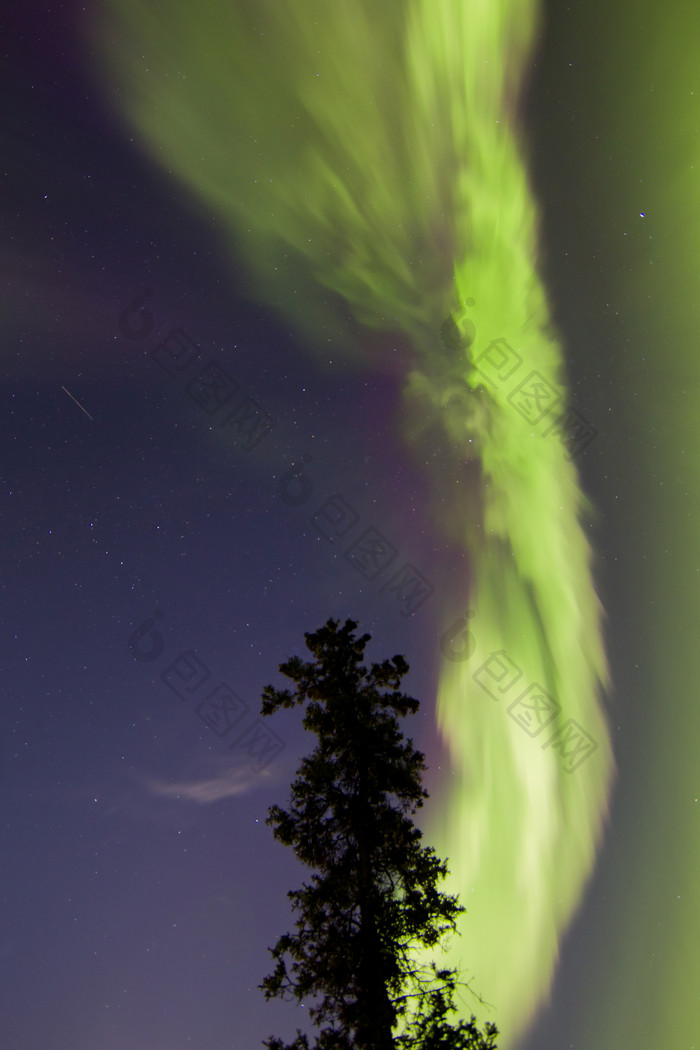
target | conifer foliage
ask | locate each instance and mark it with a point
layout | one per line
(373, 896)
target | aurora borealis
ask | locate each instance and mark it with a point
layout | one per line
(392, 173)
(365, 175)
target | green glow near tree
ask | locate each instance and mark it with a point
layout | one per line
(364, 159)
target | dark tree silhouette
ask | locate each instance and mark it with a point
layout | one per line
(373, 897)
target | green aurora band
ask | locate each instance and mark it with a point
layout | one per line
(365, 159)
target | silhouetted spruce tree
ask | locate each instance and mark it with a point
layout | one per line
(374, 894)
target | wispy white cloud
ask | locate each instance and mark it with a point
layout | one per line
(207, 789)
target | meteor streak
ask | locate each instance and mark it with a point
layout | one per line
(78, 404)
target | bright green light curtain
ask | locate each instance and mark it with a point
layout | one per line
(363, 160)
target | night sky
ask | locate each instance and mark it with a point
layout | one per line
(167, 540)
